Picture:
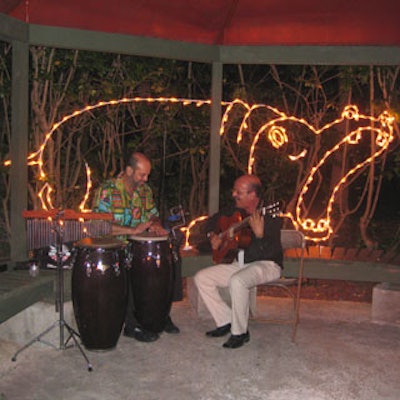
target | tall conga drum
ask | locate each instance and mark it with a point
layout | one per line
(151, 277)
(99, 291)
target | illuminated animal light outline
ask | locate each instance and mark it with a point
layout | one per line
(384, 137)
(36, 158)
(276, 135)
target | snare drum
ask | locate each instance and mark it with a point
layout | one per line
(151, 278)
(99, 291)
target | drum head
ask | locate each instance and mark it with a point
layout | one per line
(105, 242)
(148, 237)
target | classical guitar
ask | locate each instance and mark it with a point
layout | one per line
(235, 233)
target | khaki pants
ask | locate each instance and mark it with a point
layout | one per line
(240, 279)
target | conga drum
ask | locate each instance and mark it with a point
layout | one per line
(99, 291)
(151, 278)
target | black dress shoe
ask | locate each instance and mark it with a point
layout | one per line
(236, 341)
(141, 334)
(170, 327)
(220, 331)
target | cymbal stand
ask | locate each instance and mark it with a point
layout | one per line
(177, 219)
(59, 302)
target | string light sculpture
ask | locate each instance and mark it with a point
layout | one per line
(275, 133)
(382, 127)
(37, 158)
(187, 230)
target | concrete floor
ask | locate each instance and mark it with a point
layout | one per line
(339, 354)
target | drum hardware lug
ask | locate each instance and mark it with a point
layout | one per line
(88, 269)
(102, 267)
(99, 267)
(155, 257)
(128, 260)
(175, 254)
(117, 270)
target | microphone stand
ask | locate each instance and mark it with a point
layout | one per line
(59, 302)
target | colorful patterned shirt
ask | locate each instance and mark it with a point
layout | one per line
(112, 197)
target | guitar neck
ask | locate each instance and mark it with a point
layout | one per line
(272, 210)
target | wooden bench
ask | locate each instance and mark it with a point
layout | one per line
(318, 265)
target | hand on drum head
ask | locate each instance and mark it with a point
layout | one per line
(157, 229)
(140, 228)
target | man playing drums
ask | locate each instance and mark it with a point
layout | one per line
(130, 199)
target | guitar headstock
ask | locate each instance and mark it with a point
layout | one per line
(273, 210)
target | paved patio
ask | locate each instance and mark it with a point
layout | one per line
(339, 354)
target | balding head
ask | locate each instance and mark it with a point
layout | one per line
(247, 192)
(252, 182)
(137, 158)
(138, 169)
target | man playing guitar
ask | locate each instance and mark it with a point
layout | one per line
(263, 257)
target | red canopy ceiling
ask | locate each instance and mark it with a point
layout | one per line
(224, 22)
